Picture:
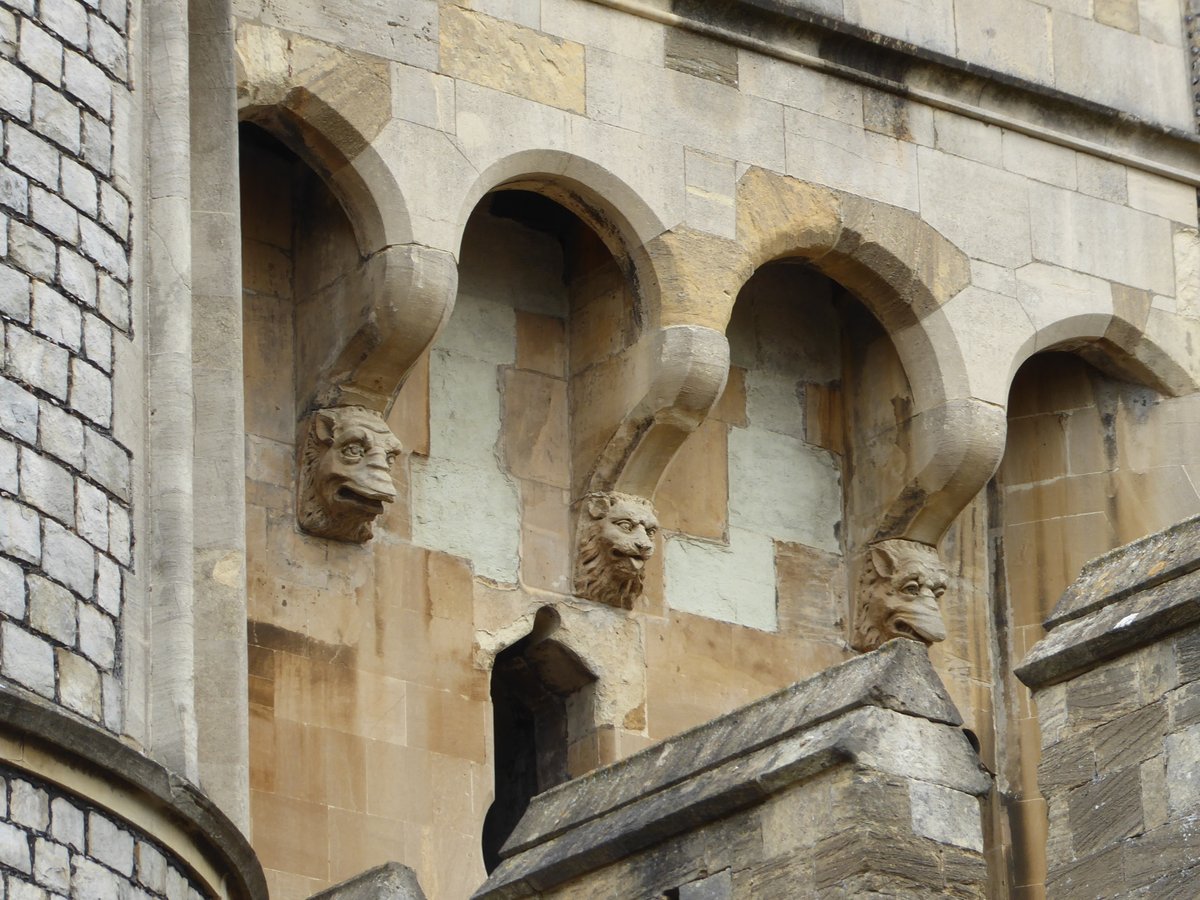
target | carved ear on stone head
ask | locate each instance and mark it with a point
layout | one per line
(883, 560)
(322, 426)
(598, 505)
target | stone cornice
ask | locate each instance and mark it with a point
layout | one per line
(779, 28)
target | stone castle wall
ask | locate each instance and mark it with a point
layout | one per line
(65, 526)
(1115, 682)
(55, 842)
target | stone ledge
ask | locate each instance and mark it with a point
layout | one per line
(390, 881)
(886, 710)
(1129, 597)
(81, 746)
(897, 676)
(1138, 566)
(1111, 631)
(903, 68)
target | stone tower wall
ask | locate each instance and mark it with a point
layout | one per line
(65, 183)
(1115, 682)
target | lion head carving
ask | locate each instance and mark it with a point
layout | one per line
(616, 538)
(898, 593)
(345, 473)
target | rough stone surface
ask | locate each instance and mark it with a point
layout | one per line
(676, 792)
(1114, 680)
(64, 70)
(390, 881)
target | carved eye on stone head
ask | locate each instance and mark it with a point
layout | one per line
(625, 525)
(354, 450)
(938, 590)
(391, 457)
(651, 530)
(911, 588)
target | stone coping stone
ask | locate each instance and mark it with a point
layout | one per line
(852, 712)
(78, 741)
(1124, 625)
(390, 881)
(1138, 566)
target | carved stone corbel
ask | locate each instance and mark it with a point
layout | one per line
(899, 590)
(615, 540)
(345, 473)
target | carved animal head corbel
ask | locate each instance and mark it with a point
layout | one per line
(345, 473)
(898, 593)
(615, 540)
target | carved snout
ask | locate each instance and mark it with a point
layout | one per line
(921, 620)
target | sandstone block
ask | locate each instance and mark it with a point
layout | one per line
(52, 610)
(1106, 810)
(54, 316)
(535, 66)
(79, 685)
(77, 276)
(48, 486)
(14, 293)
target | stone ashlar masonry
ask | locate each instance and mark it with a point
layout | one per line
(1117, 685)
(53, 845)
(856, 782)
(65, 533)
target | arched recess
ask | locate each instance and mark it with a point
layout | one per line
(904, 271)
(328, 105)
(542, 709)
(1101, 426)
(672, 374)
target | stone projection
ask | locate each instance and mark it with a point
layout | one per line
(901, 584)
(616, 538)
(345, 473)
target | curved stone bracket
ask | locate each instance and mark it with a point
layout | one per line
(680, 377)
(404, 296)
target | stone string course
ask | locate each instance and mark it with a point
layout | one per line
(55, 845)
(65, 530)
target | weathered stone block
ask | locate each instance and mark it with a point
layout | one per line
(536, 66)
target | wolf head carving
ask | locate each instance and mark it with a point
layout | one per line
(898, 594)
(345, 473)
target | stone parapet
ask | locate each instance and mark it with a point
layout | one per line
(768, 801)
(1116, 683)
(85, 815)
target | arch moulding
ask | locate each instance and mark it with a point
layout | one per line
(328, 105)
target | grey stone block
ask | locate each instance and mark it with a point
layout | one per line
(885, 712)
(390, 881)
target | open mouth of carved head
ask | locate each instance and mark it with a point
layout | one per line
(633, 561)
(371, 504)
(925, 626)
